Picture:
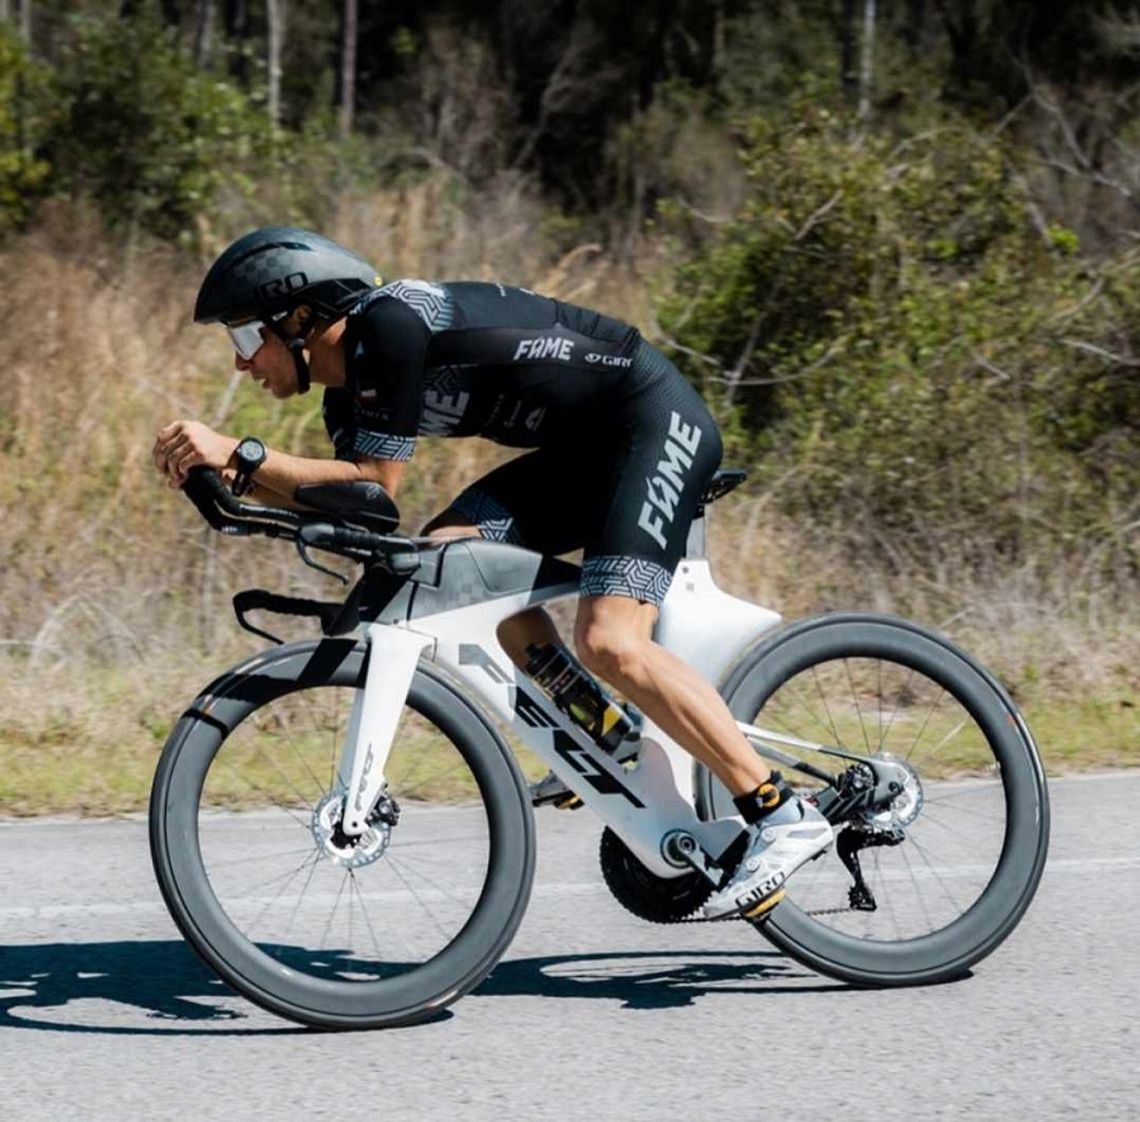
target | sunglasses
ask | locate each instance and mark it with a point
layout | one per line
(246, 337)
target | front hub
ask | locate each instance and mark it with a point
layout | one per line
(338, 847)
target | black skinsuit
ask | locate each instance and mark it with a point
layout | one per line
(623, 445)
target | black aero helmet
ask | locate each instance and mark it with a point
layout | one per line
(273, 270)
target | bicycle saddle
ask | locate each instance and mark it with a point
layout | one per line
(360, 501)
(723, 481)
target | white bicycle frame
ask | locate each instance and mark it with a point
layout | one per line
(645, 805)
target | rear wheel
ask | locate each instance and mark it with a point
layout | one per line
(315, 926)
(951, 865)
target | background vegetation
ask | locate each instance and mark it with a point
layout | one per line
(894, 242)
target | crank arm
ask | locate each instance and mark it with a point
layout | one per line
(681, 849)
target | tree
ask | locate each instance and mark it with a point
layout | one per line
(203, 33)
(237, 34)
(867, 67)
(275, 36)
(348, 68)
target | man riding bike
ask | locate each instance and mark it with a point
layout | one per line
(621, 447)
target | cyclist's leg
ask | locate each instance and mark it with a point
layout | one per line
(672, 450)
(522, 502)
(669, 451)
(613, 635)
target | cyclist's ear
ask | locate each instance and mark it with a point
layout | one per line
(300, 317)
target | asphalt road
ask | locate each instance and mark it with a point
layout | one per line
(106, 1014)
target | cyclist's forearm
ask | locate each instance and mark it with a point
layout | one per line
(282, 473)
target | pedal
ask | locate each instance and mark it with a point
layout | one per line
(551, 791)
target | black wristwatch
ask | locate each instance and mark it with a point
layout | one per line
(250, 455)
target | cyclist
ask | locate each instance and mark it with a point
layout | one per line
(620, 448)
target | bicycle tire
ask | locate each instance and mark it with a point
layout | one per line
(412, 996)
(948, 952)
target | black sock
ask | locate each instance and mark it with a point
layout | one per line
(766, 798)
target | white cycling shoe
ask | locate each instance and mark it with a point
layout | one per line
(775, 851)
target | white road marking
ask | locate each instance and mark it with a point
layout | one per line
(1082, 866)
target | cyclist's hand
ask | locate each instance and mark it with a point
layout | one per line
(186, 444)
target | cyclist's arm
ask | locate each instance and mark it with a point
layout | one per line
(187, 444)
(278, 478)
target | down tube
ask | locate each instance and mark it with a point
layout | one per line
(641, 806)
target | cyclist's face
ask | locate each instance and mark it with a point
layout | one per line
(271, 364)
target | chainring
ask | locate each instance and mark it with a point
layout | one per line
(645, 894)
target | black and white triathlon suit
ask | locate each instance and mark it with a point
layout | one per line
(623, 445)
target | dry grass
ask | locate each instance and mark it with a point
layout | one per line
(114, 597)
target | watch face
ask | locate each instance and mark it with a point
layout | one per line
(251, 451)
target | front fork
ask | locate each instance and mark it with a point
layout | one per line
(389, 666)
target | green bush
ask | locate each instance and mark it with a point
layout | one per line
(148, 135)
(23, 175)
(892, 332)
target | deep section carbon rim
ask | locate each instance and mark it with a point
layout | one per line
(322, 928)
(972, 814)
(330, 907)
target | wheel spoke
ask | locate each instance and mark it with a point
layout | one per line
(923, 853)
(367, 918)
(300, 897)
(826, 708)
(894, 712)
(287, 879)
(920, 709)
(855, 699)
(336, 904)
(419, 899)
(918, 892)
(413, 886)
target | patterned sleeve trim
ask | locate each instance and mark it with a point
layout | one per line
(494, 521)
(625, 576)
(384, 447)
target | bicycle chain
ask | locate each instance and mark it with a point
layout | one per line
(724, 919)
(644, 895)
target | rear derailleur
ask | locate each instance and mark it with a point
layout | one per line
(852, 802)
(853, 840)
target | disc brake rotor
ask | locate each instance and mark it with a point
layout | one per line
(351, 853)
(905, 807)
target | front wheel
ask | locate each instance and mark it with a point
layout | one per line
(951, 865)
(324, 929)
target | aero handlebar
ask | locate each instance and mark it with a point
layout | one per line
(226, 513)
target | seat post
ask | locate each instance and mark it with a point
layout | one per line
(722, 481)
(695, 544)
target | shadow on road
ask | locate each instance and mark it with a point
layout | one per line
(652, 979)
(165, 981)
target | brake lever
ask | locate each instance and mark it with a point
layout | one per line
(303, 550)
